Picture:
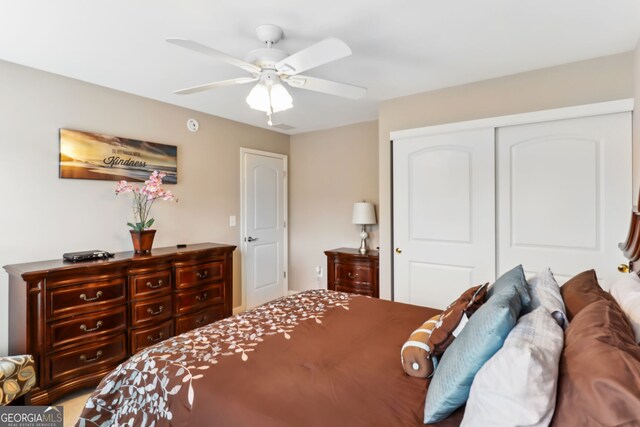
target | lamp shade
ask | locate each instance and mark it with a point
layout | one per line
(364, 213)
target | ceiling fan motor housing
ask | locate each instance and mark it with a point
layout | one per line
(266, 58)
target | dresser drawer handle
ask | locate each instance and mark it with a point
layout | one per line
(98, 325)
(201, 321)
(84, 359)
(150, 285)
(203, 274)
(352, 276)
(151, 338)
(155, 313)
(202, 297)
(84, 296)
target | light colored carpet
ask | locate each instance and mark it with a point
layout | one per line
(73, 404)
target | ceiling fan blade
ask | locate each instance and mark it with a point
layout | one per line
(206, 50)
(325, 51)
(202, 88)
(326, 86)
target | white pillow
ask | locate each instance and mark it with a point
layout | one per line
(517, 386)
(545, 292)
(626, 291)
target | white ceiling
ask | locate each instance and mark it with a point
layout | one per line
(399, 47)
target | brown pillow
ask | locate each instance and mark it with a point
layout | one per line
(415, 354)
(580, 291)
(443, 333)
(599, 381)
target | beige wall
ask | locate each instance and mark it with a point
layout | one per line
(42, 216)
(329, 171)
(601, 79)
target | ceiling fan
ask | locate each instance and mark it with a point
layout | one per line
(270, 67)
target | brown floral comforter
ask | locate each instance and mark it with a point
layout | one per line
(317, 358)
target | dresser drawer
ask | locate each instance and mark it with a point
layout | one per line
(151, 311)
(354, 273)
(144, 337)
(90, 326)
(149, 285)
(85, 297)
(195, 299)
(87, 359)
(199, 274)
(201, 318)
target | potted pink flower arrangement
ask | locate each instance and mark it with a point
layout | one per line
(143, 199)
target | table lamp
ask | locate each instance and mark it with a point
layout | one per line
(363, 214)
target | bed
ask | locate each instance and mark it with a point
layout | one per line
(303, 360)
(325, 358)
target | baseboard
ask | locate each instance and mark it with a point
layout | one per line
(292, 292)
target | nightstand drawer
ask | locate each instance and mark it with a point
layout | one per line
(148, 285)
(85, 297)
(144, 337)
(199, 274)
(361, 290)
(201, 318)
(151, 311)
(92, 326)
(354, 273)
(348, 270)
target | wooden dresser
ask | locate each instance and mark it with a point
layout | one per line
(350, 271)
(81, 320)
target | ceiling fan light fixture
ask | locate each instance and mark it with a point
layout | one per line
(258, 98)
(280, 98)
(270, 97)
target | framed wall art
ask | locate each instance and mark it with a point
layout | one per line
(87, 155)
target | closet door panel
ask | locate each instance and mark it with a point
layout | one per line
(444, 210)
(564, 194)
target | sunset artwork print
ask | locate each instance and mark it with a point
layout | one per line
(86, 155)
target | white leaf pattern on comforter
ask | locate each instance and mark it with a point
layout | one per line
(138, 390)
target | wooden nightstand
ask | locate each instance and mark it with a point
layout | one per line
(350, 271)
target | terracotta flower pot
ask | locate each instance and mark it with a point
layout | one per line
(142, 240)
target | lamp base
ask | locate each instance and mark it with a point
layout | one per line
(363, 241)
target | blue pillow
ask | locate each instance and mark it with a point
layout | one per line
(480, 339)
(512, 278)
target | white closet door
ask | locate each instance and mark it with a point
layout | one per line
(564, 195)
(443, 215)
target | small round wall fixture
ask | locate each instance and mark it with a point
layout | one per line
(193, 125)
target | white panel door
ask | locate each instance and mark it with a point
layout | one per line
(263, 227)
(443, 215)
(564, 195)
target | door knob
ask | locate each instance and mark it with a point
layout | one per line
(398, 250)
(250, 239)
(623, 268)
